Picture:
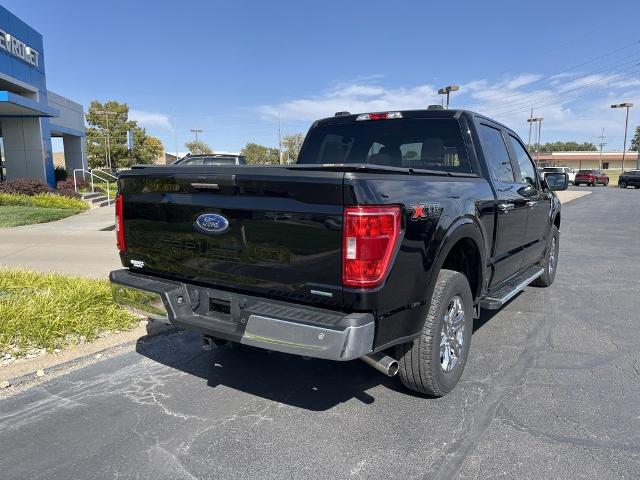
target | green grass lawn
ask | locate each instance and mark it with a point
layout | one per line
(51, 311)
(12, 216)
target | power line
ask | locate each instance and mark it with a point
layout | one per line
(545, 100)
(576, 78)
(548, 77)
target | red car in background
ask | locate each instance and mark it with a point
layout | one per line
(591, 178)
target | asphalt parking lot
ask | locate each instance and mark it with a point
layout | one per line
(552, 390)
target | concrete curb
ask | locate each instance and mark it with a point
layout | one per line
(56, 369)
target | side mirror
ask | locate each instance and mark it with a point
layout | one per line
(557, 181)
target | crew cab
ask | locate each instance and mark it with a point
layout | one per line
(383, 242)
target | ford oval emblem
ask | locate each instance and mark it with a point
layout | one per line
(211, 223)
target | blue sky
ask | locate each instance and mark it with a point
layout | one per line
(230, 67)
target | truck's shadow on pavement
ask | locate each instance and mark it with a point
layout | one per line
(312, 384)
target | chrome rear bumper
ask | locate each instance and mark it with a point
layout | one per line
(255, 321)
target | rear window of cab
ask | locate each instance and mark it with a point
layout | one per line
(424, 143)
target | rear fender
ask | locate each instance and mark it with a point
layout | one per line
(465, 227)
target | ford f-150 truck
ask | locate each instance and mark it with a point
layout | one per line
(383, 242)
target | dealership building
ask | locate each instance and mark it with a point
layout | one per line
(29, 113)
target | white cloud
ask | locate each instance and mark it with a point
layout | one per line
(574, 106)
(151, 119)
(358, 97)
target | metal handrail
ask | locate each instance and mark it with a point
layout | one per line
(92, 175)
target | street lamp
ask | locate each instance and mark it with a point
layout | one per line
(447, 90)
(107, 152)
(196, 131)
(626, 126)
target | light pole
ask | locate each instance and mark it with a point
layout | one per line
(539, 119)
(107, 152)
(196, 131)
(279, 140)
(626, 126)
(447, 90)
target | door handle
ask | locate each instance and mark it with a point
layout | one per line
(505, 207)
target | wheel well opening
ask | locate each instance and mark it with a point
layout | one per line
(556, 221)
(465, 258)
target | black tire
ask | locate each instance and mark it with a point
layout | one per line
(550, 268)
(576, 184)
(420, 363)
(622, 184)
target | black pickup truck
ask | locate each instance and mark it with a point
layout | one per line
(382, 243)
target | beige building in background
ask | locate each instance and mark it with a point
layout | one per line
(587, 160)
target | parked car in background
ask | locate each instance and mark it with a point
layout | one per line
(211, 159)
(570, 173)
(629, 179)
(591, 178)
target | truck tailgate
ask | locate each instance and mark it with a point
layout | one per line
(284, 233)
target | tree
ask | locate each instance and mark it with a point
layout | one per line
(292, 145)
(197, 147)
(259, 154)
(635, 141)
(565, 147)
(146, 149)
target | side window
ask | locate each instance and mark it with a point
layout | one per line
(527, 168)
(496, 153)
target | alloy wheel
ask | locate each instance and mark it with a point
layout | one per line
(552, 255)
(452, 335)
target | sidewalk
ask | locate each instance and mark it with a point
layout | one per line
(84, 244)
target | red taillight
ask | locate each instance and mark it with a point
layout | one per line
(122, 246)
(369, 237)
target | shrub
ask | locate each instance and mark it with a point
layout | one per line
(60, 173)
(42, 200)
(66, 188)
(24, 186)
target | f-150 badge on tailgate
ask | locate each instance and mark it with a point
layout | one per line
(211, 223)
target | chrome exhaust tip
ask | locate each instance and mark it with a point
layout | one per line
(383, 363)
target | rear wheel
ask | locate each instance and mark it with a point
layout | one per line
(622, 184)
(550, 260)
(433, 363)
(606, 182)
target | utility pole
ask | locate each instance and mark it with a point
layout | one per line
(602, 144)
(539, 121)
(196, 131)
(530, 121)
(279, 139)
(626, 127)
(107, 152)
